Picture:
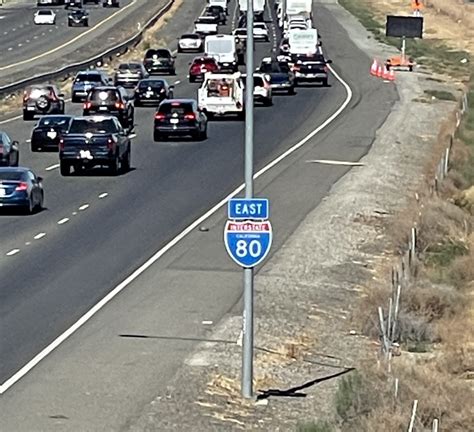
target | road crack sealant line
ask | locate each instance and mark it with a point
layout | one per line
(93, 60)
(154, 258)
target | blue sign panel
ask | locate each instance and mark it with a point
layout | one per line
(245, 209)
(248, 242)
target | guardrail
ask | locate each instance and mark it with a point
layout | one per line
(98, 59)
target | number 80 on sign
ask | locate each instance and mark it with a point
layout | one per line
(248, 242)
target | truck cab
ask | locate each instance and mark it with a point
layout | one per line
(222, 94)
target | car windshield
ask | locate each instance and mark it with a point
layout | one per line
(220, 46)
(83, 77)
(154, 84)
(176, 108)
(260, 25)
(36, 92)
(241, 32)
(203, 61)
(190, 36)
(157, 53)
(45, 12)
(205, 19)
(11, 175)
(92, 125)
(130, 66)
(275, 67)
(103, 96)
(257, 81)
(61, 122)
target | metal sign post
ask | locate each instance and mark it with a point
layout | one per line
(247, 317)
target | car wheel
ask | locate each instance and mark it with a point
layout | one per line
(114, 166)
(75, 99)
(39, 206)
(268, 102)
(125, 163)
(35, 148)
(325, 83)
(291, 91)
(64, 168)
(27, 115)
(173, 72)
(29, 208)
(157, 136)
(204, 134)
(192, 79)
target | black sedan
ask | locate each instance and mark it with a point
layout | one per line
(9, 151)
(21, 188)
(78, 17)
(180, 117)
(152, 92)
(48, 132)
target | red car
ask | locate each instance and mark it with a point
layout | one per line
(201, 65)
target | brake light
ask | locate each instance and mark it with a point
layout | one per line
(87, 105)
(110, 144)
(25, 95)
(159, 116)
(53, 96)
(190, 116)
(61, 144)
(296, 68)
(119, 105)
(326, 69)
(1, 149)
(22, 186)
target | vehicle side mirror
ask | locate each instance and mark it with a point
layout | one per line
(40, 179)
(15, 143)
(329, 61)
(171, 87)
(61, 95)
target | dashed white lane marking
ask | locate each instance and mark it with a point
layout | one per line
(39, 235)
(20, 45)
(10, 49)
(177, 82)
(74, 213)
(12, 252)
(71, 41)
(103, 195)
(83, 207)
(27, 243)
(52, 167)
(207, 322)
(63, 221)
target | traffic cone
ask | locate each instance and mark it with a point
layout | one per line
(385, 74)
(391, 75)
(380, 71)
(373, 68)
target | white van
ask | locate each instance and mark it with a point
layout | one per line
(222, 48)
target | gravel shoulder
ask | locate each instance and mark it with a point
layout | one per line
(306, 293)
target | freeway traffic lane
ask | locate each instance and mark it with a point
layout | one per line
(66, 272)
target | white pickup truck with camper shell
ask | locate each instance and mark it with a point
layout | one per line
(222, 94)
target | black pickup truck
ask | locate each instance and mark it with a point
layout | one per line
(95, 141)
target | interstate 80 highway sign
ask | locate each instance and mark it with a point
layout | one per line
(248, 242)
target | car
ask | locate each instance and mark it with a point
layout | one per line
(205, 25)
(199, 66)
(41, 100)
(44, 16)
(179, 117)
(49, 130)
(111, 3)
(87, 80)
(211, 18)
(95, 141)
(190, 42)
(158, 61)
(152, 91)
(262, 89)
(240, 33)
(49, 2)
(78, 17)
(284, 46)
(129, 74)
(21, 188)
(96, 2)
(282, 78)
(73, 3)
(260, 32)
(218, 12)
(9, 150)
(110, 100)
(312, 69)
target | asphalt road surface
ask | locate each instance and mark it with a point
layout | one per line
(97, 229)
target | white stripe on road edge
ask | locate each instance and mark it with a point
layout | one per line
(64, 45)
(11, 253)
(121, 286)
(83, 207)
(52, 167)
(63, 221)
(39, 236)
(335, 162)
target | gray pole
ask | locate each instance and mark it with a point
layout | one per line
(247, 318)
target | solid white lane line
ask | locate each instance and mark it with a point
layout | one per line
(83, 207)
(103, 195)
(12, 252)
(71, 41)
(63, 221)
(39, 235)
(52, 167)
(120, 287)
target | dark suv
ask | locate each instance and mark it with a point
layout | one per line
(110, 100)
(42, 99)
(157, 61)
